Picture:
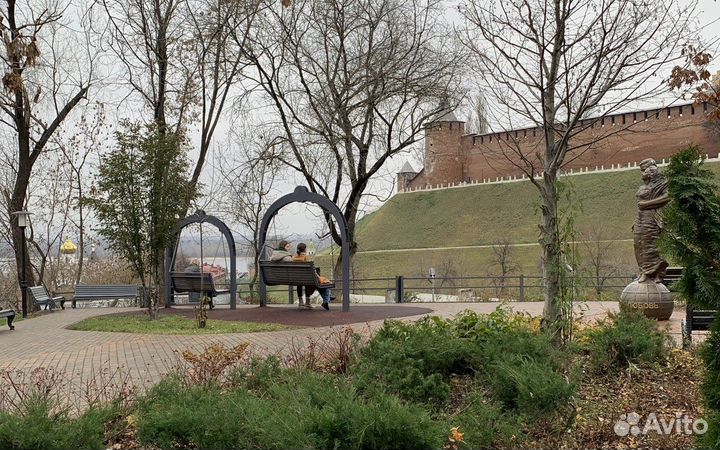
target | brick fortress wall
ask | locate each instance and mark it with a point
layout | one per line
(454, 157)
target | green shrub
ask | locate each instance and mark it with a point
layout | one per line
(258, 375)
(485, 424)
(624, 338)
(37, 427)
(710, 354)
(529, 386)
(172, 416)
(416, 360)
(296, 409)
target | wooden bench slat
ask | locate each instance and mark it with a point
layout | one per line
(695, 319)
(105, 292)
(40, 297)
(195, 282)
(291, 274)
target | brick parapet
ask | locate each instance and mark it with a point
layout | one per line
(453, 158)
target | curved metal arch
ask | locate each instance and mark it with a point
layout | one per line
(201, 217)
(303, 195)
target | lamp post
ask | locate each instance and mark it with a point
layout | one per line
(432, 282)
(22, 221)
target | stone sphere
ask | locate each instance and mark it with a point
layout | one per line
(653, 299)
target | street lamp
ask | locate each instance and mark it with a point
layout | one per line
(432, 282)
(22, 222)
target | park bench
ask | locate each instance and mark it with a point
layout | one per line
(41, 298)
(104, 292)
(10, 314)
(291, 274)
(196, 282)
(695, 318)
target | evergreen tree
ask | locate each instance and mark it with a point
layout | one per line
(142, 188)
(692, 239)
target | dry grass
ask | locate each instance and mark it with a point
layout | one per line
(668, 390)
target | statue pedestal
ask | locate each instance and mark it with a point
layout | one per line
(653, 299)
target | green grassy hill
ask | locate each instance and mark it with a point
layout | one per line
(485, 215)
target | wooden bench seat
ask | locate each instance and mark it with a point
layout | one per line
(696, 319)
(196, 282)
(10, 314)
(203, 283)
(291, 274)
(41, 298)
(104, 292)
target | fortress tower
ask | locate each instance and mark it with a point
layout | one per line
(405, 176)
(444, 155)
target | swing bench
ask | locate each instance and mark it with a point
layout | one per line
(196, 282)
(201, 282)
(696, 319)
(291, 274)
(302, 273)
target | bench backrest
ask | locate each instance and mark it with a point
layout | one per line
(102, 291)
(672, 275)
(700, 319)
(288, 273)
(193, 282)
(39, 293)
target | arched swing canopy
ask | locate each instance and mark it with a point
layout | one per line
(303, 195)
(200, 217)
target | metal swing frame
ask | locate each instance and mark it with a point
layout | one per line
(200, 218)
(303, 195)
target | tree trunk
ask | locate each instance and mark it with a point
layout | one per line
(81, 238)
(350, 217)
(159, 284)
(550, 244)
(17, 203)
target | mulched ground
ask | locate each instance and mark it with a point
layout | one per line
(317, 317)
(669, 390)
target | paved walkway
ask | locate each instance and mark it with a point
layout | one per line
(46, 342)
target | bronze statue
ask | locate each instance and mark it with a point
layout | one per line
(651, 197)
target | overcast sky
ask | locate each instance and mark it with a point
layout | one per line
(305, 219)
(300, 219)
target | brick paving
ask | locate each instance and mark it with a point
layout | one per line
(46, 342)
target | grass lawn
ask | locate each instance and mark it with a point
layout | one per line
(170, 325)
(485, 215)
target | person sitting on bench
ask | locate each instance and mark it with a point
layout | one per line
(302, 256)
(282, 252)
(194, 266)
(324, 292)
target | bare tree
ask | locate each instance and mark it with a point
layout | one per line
(49, 196)
(182, 59)
(84, 141)
(147, 39)
(247, 186)
(353, 83)
(41, 88)
(549, 62)
(503, 257)
(220, 30)
(598, 257)
(477, 121)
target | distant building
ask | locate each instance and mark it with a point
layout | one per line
(69, 251)
(452, 157)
